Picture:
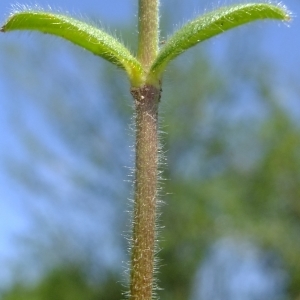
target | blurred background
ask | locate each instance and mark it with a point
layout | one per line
(230, 116)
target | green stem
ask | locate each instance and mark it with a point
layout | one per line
(144, 238)
(148, 32)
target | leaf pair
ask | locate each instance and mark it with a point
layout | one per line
(102, 44)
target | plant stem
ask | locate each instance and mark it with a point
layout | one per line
(146, 97)
(144, 237)
(148, 32)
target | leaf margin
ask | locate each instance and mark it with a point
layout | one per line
(79, 33)
(219, 21)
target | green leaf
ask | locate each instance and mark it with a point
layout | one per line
(80, 33)
(212, 24)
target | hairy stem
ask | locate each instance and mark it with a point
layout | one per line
(142, 282)
(148, 32)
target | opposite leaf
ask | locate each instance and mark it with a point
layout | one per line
(80, 33)
(212, 24)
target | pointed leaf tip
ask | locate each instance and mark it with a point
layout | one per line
(212, 24)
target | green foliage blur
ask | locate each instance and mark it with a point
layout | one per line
(232, 152)
(68, 282)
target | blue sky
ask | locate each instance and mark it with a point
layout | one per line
(280, 45)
